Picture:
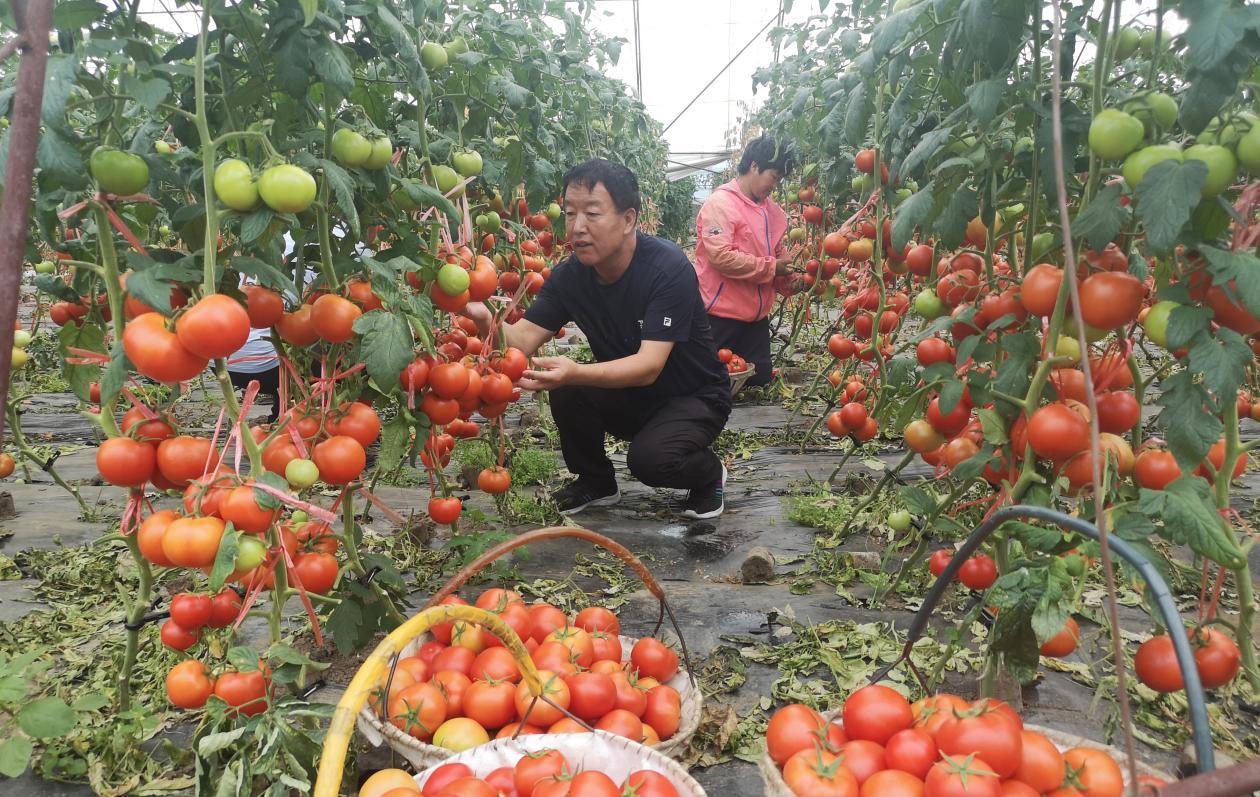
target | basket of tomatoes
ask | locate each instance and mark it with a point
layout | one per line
(459, 685)
(545, 766)
(739, 369)
(879, 743)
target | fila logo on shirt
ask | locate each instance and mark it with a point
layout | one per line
(668, 321)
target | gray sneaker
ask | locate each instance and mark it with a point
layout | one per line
(707, 502)
(582, 493)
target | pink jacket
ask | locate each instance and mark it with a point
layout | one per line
(737, 241)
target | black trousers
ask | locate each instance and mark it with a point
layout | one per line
(748, 339)
(669, 442)
(268, 384)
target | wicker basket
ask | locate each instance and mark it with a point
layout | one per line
(777, 787)
(422, 754)
(738, 380)
(613, 755)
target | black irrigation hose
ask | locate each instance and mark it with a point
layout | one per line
(1159, 590)
(151, 617)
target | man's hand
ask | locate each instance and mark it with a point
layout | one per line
(783, 264)
(480, 314)
(548, 373)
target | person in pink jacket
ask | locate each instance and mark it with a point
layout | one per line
(741, 261)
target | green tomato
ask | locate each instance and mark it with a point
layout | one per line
(862, 183)
(1156, 322)
(1127, 40)
(45, 267)
(433, 56)
(1041, 244)
(457, 46)
(1069, 348)
(164, 231)
(446, 178)
(234, 185)
(163, 147)
(1092, 334)
(1221, 163)
(913, 185)
(299, 517)
(452, 279)
(301, 473)
(19, 358)
(1156, 108)
(402, 198)
(1248, 150)
(928, 304)
(250, 553)
(899, 520)
(21, 338)
(382, 153)
(554, 211)
(797, 234)
(1074, 563)
(1139, 163)
(467, 163)
(350, 148)
(901, 195)
(1114, 134)
(1148, 42)
(118, 172)
(489, 222)
(287, 188)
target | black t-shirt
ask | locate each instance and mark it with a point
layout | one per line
(657, 298)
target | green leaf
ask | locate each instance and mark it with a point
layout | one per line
(1033, 538)
(60, 158)
(89, 337)
(1238, 273)
(917, 500)
(265, 274)
(76, 14)
(923, 151)
(1165, 199)
(343, 188)
(1100, 221)
(149, 92)
(212, 743)
(1222, 359)
(224, 560)
(993, 425)
(1211, 89)
(385, 346)
(912, 213)
(983, 98)
(309, 9)
(1053, 608)
(12, 688)
(267, 500)
(15, 756)
(46, 718)
(92, 701)
(114, 375)
(951, 225)
(243, 658)
(332, 66)
(1215, 29)
(951, 394)
(56, 287)
(283, 654)
(1186, 511)
(59, 78)
(1188, 418)
(857, 116)
(424, 194)
(1014, 638)
(395, 438)
(1185, 323)
(345, 624)
(255, 224)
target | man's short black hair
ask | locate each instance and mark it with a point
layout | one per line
(619, 181)
(767, 154)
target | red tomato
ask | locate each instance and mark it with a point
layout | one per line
(1040, 763)
(912, 750)
(984, 731)
(793, 728)
(653, 659)
(874, 713)
(592, 695)
(862, 758)
(443, 776)
(979, 572)
(646, 783)
(939, 560)
(819, 772)
(892, 783)
(964, 776)
(534, 767)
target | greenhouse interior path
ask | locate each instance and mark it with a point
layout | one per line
(699, 564)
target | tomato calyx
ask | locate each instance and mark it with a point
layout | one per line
(964, 768)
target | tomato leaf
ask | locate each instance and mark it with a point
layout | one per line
(395, 436)
(267, 500)
(59, 156)
(15, 755)
(148, 287)
(1222, 359)
(266, 275)
(346, 626)
(951, 224)
(88, 337)
(1075, 128)
(46, 717)
(1101, 220)
(56, 287)
(924, 150)
(1185, 323)
(983, 98)
(993, 426)
(1188, 419)
(385, 346)
(225, 559)
(1185, 514)
(343, 188)
(1165, 198)
(1210, 89)
(77, 13)
(309, 9)
(1215, 29)
(114, 375)
(913, 212)
(149, 92)
(280, 653)
(1014, 638)
(1034, 538)
(972, 467)
(917, 500)
(243, 658)
(60, 74)
(424, 194)
(212, 743)
(255, 224)
(387, 571)
(951, 394)
(1238, 274)
(332, 66)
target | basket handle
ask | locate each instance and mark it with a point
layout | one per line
(333, 757)
(557, 532)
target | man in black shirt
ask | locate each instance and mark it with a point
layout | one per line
(658, 382)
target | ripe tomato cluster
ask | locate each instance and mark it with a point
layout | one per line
(1216, 657)
(545, 773)
(733, 362)
(189, 685)
(464, 686)
(881, 745)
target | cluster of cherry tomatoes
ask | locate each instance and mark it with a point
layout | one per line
(941, 746)
(190, 684)
(545, 773)
(463, 686)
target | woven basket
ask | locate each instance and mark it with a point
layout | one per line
(613, 755)
(740, 379)
(422, 755)
(777, 787)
